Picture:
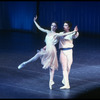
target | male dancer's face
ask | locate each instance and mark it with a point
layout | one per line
(66, 27)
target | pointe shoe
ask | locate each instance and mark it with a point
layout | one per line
(50, 84)
(21, 66)
(65, 87)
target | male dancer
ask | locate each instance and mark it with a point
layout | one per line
(66, 53)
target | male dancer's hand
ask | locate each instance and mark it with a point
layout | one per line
(76, 33)
(76, 28)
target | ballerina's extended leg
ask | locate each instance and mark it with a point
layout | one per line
(30, 60)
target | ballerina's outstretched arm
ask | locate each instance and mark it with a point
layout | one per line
(68, 33)
(40, 28)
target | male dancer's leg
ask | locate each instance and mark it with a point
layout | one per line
(64, 63)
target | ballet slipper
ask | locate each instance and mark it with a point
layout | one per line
(65, 87)
(21, 65)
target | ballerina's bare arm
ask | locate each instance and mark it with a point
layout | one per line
(65, 34)
(68, 33)
(40, 28)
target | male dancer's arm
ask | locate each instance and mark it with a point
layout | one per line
(76, 34)
(71, 35)
(73, 32)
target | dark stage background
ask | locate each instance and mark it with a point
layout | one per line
(18, 15)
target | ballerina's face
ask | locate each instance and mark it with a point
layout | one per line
(53, 26)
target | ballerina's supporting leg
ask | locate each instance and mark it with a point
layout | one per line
(30, 60)
(51, 82)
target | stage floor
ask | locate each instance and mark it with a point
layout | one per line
(33, 82)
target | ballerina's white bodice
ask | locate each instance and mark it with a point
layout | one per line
(51, 39)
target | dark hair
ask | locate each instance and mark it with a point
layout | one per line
(69, 24)
(55, 22)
